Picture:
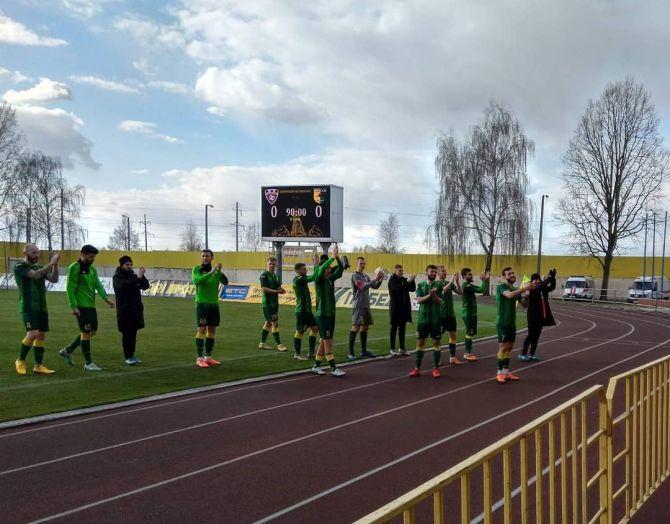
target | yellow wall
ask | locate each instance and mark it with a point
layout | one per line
(622, 267)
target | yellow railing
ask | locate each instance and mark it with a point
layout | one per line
(602, 464)
(569, 444)
(639, 448)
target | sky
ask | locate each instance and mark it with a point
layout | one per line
(161, 107)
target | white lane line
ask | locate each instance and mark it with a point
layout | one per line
(330, 429)
(412, 454)
(226, 419)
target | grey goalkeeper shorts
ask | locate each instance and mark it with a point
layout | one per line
(362, 317)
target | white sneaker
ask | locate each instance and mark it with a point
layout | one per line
(263, 345)
(393, 353)
(297, 356)
(337, 372)
(92, 367)
(402, 352)
(318, 370)
(281, 347)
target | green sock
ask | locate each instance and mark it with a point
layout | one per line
(312, 344)
(501, 364)
(419, 357)
(74, 344)
(297, 344)
(436, 357)
(264, 334)
(331, 363)
(209, 345)
(275, 335)
(86, 350)
(199, 346)
(506, 363)
(364, 341)
(39, 354)
(24, 352)
(468, 345)
(452, 350)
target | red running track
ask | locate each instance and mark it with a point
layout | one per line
(306, 448)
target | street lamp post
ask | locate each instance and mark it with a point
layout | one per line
(539, 244)
(207, 206)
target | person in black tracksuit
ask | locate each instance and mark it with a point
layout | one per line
(400, 309)
(129, 307)
(539, 313)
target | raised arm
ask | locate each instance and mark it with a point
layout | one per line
(339, 270)
(222, 278)
(359, 281)
(197, 277)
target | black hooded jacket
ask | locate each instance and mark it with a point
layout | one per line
(539, 311)
(400, 308)
(129, 307)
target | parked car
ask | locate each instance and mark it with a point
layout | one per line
(649, 287)
(578, 288)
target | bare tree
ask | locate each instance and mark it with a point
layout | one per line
(46, 208)
(252, 238)
(483, 187)
(615, 166)
(124, 236)
(389, 234)
(11, 145)
(190, 238)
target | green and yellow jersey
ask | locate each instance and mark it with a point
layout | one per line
(207, 284)
(430, 311)
(447, 305)
(325, 288)
(82, 283)
(506, 306)
(303, 298)
(469, 297)
(32, 293)
(270, 280)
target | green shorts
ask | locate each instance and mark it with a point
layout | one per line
(271, 313)
(432, 330)
(87, 320)
(326, 327)
(506, 333)
(470, 326)
(207, 315)
(36, 321)
(304, 320)
(448, 324)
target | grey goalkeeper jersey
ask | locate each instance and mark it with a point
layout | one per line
(361, 284)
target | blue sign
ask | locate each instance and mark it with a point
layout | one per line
(231, 292)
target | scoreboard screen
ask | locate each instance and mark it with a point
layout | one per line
(301, 213)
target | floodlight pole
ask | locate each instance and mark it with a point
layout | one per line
(539, 244)
(207, 206)
(665, 231)
(644, 256)
(653, 254)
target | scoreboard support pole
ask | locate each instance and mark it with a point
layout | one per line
(325, 246)
(279, 252)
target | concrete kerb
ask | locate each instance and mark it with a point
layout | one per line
(185, 392)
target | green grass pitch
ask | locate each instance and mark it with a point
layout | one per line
(167, 348)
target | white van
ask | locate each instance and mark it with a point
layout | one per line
(649, 287)
(578, 288)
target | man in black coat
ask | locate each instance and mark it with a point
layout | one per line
(400, 309)
(129, 307)
(539, 313)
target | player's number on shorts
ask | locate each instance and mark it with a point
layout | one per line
(319, 211)
(273, 211)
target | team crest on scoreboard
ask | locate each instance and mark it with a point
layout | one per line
(320, 195)
(271, 195)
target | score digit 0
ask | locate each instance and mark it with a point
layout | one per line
(319, 211)
(273, 211)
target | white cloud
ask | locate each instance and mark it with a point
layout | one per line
(15, 77)
(86, 8)
(255, 87)
(151, 34)
(176, 88)
(107, 85)
(13, 32)
(147, 128)
(139, 171)
(57, 133)
(46, 90)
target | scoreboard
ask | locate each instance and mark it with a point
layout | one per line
(302, 213)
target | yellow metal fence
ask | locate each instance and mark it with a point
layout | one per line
(595, 458)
